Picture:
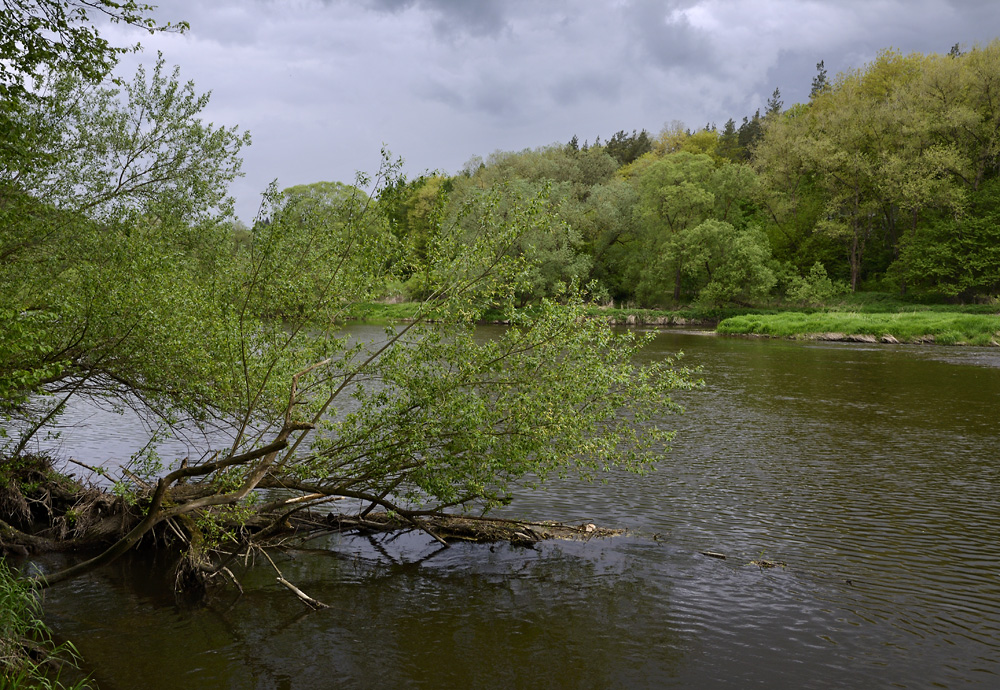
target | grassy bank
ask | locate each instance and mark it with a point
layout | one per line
(891, 303)
(865, 317)
(940, 327)
(29, 658)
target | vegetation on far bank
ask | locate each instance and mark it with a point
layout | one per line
(941, 328)
(886, 180)
(884, 317)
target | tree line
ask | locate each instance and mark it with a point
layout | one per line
(885, 180)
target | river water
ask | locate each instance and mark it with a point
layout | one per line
(871, 472)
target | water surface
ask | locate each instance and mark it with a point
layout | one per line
(873, 473)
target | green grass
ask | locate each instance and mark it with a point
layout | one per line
(947, 328)
(890, 303)
(20, 624)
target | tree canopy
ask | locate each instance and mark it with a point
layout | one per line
(43, 38)
(39, 37)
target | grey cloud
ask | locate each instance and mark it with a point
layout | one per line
(576, 88)
(227, 24)
(451, 17)
(670, 42)
(492, 96)
(439, 92)
(500, 102)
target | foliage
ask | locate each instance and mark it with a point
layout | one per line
(492, 413)
(140, 149)
(695, 229)
(675, 198)
(413, 210)
(149, 301)
(316, 260)
(106, 254)
(820, 83)
(882, 161)
(626, 148)
(59, 35)
(554, 250)
(735, 263)
(814, 289)
(43, 37)
(611, 224)
(546, 397)
(958, 256)
(941, 327)
(20, 628)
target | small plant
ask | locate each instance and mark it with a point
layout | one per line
(948, 338)
(126, 492)
(21, 629)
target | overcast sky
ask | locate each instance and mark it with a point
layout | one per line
(322, 84)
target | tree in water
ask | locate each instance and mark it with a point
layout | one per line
(146, 301)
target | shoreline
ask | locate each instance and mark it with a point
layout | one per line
(923, 327)
(889, 328)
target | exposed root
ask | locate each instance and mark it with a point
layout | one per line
(195, 568)
(42, 510)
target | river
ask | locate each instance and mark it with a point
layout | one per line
(871, 472)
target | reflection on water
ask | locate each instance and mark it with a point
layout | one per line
(873, 473)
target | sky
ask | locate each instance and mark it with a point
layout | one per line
(324, 85)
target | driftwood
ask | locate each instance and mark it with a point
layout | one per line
(446, 528)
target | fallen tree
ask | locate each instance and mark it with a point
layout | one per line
(427, 419)
(438, 421)
(126, 283)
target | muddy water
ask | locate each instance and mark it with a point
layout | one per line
(873, 473)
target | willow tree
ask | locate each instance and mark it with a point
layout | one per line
(106, 249)
(675, 198)
(41, 37)
(428, 417)
(697, 233)
(146, 301)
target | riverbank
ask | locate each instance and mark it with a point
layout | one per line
(381, 312)
(866, 322)
(939, 328)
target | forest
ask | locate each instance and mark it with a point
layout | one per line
(885, 181)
